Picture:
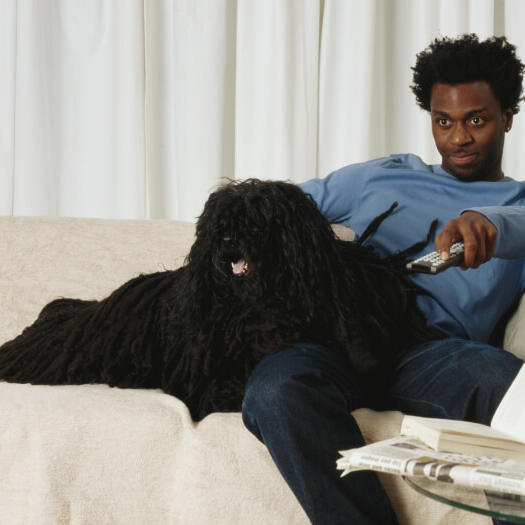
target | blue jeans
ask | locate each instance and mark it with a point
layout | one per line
(298, 402)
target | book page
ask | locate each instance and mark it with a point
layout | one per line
(510, 414)
(452, 428)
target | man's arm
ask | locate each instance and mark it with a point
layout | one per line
(486, 232)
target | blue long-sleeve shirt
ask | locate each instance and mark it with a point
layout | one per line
(462, 303)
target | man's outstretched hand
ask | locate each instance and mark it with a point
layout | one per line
(477, 233)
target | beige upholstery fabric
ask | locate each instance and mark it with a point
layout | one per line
(514, 340)
(92, 454)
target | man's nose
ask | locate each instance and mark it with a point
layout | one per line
(460, 135)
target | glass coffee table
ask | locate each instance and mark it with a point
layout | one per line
(509, 507)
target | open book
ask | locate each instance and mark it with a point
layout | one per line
(488, 457)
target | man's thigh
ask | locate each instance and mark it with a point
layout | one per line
(453, 378)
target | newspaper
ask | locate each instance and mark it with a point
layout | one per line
(410, 457)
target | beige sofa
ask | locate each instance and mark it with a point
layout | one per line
(96, 455)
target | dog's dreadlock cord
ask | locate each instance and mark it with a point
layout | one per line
(401, 257)
(389, 277)
(374, 224)
(398, 259)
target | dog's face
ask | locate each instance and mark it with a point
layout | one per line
(246, 235)
(262, 231)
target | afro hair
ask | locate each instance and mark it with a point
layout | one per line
(466, 59)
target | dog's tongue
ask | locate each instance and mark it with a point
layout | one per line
(238, 267)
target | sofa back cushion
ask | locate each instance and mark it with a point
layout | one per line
(47, 258)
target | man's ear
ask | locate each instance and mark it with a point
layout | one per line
(508, 115)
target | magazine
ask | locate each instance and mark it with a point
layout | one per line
(408, 456)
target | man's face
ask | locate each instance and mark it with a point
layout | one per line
(469, 127)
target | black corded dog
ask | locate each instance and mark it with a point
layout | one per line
(265, 271)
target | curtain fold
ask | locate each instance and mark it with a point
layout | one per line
(139, 108)
(78, 130)
(277, 89)
(190, 102)
(8, 32)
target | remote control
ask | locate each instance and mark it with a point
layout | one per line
(433, 263)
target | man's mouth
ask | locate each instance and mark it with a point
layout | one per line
(240, 267)
(462, 159)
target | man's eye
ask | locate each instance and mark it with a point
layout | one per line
(443, 122)
(477, 121)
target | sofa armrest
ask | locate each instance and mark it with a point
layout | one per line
(514, 340)
(343, 232)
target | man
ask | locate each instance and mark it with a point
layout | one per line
(298, 401)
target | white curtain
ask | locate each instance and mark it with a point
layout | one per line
(138, 108)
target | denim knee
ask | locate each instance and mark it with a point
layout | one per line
(295, 380)
(479, 366)
(267, 390)
(453, 378)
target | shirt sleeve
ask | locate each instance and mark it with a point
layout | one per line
(510, 223)
(337, 194)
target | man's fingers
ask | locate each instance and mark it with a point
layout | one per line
(473, 250)
(491, 238)
(445, 240)
(477, 233)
